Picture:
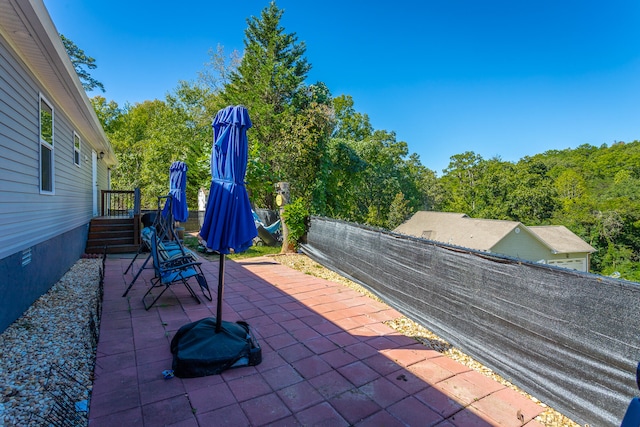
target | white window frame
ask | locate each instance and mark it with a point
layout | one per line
(46, 145)
(77, 149)
(563, 262)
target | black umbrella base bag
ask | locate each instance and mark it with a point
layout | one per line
(199, 351)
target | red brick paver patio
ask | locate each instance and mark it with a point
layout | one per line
(328, 360)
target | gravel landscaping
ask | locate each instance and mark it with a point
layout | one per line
(47, 355)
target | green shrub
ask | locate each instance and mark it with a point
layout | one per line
(295, 216)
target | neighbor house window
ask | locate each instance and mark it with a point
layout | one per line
(46, 146)
(76, 149)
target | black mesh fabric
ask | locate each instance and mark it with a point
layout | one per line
(568, 338)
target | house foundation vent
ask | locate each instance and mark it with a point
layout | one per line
(26, 257)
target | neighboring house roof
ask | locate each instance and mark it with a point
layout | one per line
(457, 229)
(484, 234)
(560, 239)
(27, 27)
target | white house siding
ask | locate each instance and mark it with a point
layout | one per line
(579, 264)
(41, 235)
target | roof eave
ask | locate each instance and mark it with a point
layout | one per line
(40, 39)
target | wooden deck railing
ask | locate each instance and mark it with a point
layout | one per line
(121, 203)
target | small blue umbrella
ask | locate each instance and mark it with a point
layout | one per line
(178, 192)
(228, 220)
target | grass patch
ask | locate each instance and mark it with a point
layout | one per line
(254, 251)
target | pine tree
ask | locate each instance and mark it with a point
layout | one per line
(270, 76)
(79, 59)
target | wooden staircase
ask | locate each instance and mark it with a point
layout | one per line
(118, 234)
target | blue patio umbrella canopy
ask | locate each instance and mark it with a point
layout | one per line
(178, 192)
(228, 221)
(200, 348)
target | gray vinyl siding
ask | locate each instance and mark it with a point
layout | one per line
(103, 180)
(27, 217)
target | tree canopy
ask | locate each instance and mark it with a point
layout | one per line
(270, 82)
(339, 165)
(593, 191)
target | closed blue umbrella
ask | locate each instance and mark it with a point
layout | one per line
(228, 221)
(178, 192)
(198, 349)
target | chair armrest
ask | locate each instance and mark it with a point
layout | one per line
(168, 255)
(178, 263)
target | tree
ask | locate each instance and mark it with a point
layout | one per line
(148, 137)
(350, 124)
(302, 153)
(345, 169)
(80, 60)
(372, 172)
(420, 185)
(379, 182)
(269, 78)
(193, 105)
(399, 211)
(371, 177)
(217, 71)
(570, 185)
(533, 199)
(460, 182)
(143, 144)
(108, 112)
(495, 184)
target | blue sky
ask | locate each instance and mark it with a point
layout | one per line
(498, 77)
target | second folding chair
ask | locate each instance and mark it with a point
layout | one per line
(172, 267)
(165, 232)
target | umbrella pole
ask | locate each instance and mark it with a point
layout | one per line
(220, 288)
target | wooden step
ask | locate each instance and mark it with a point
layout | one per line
(111, 241)
(117, 234)
(111, 234)
(114, 249)
(112, 220)
(101, 227)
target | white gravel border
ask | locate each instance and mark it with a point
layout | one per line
(54, 339)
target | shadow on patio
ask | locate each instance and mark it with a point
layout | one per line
(328, 359)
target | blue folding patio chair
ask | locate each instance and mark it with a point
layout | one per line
(171, 267)
(163, 224)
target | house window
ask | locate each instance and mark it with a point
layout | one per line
(46, 146)
(76, 149)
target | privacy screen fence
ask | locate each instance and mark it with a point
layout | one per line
(571, 339)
